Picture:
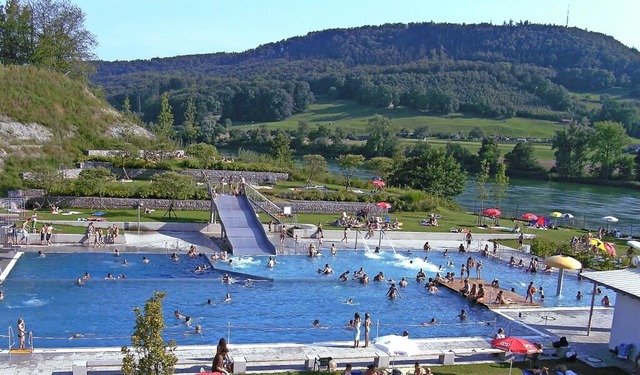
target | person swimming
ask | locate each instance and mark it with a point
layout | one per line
(109, 277)
(187, 321)
(227, 298)
(145, 260)
(344, 276)
(79, 282)
(86, 276)
(393, 292)
(209, 302)
(178, 314)
(271, 263)
(174, 257)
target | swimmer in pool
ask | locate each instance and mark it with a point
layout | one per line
(462, 315)
(109, 277)
(227, 298)
(116, 252)
(327, 269)
(198, 329)
(1, 296)
(187, 321)
(178, 314)
(174, 257)
(349, 301)
(393, 292)
(86, 276)
(344, 276)
(403, 282)
(209, 302)
(145, 260)
(79, 282)
(271, 262)
(41, 254)
(316, 323)
(124, 262)
(379, 277)
(226, 278)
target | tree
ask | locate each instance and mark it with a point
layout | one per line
(608, 141)
(521, 160)
(381, 140)
(164, 128)
(313, 165)
(481, 187)
(636, 162)
(380, 166)
(16, 42)
(47, 178)
(499, 185)
(280, 149)
(189, 129)
(434, 171)
(490, 152)
(172, 185)
(149, 353)
(61, 42)
(348, 165)
(572, 147)
(202, 152)
(93, 181)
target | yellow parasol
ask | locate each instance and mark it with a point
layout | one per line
(556, 214)
(562, 262)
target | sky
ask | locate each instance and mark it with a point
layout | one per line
(144, 29)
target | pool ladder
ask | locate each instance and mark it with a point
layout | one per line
(12, 343)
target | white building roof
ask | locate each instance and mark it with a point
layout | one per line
(625, 281)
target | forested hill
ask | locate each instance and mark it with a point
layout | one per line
(510, 70)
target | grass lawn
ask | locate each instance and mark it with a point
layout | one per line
(348, 114)
(503, 369)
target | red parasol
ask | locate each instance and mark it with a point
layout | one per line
(491, 212)
(378, 183)
(608, 247)
(529, 216)
(515, 345)
(384, 205)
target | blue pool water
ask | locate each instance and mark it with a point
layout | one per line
(44, 293)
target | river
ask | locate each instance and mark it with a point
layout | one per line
(587, 203)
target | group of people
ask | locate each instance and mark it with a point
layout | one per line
(98, 236)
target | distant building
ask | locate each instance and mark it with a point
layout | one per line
(565, 121)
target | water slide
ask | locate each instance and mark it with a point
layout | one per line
(244, 231)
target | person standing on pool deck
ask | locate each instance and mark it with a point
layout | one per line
(530, 292)
(21, 332)
(356, 330)
(367, 329)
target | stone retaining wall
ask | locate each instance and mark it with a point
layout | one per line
(298, 207)
(196, 174)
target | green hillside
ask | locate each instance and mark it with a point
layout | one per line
(48, 119)
(352, 116)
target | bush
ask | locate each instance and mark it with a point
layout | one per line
(543, 247)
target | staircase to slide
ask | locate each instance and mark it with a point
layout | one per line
(241, 226)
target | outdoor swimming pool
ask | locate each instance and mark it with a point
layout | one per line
(44, 293)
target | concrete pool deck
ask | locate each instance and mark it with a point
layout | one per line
(549, 323)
